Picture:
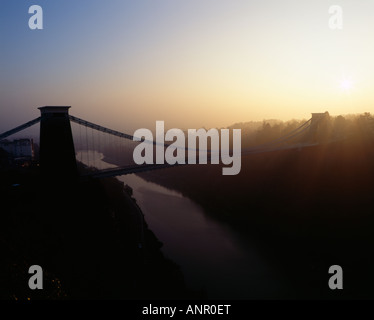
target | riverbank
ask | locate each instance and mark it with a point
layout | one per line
(199, 243)
(304, 210)
(85, 236)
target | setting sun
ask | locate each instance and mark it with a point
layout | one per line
(346, 85)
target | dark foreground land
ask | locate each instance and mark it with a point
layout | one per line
(88, 237)
(304, 210)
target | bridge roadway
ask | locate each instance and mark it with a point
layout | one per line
(111, 172)
(129, 169)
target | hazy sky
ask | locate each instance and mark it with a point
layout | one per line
(191, 63)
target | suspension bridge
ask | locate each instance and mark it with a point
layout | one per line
(62, 134)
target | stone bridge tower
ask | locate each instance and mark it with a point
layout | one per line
(57, 153)
(318, 126)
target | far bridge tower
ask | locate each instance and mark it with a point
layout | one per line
(318, 126)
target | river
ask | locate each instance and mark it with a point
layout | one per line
(211, 255)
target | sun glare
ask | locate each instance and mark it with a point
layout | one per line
(346, 84)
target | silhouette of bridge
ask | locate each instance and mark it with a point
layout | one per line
(58, 150)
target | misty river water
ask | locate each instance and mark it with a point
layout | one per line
(211, 255)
